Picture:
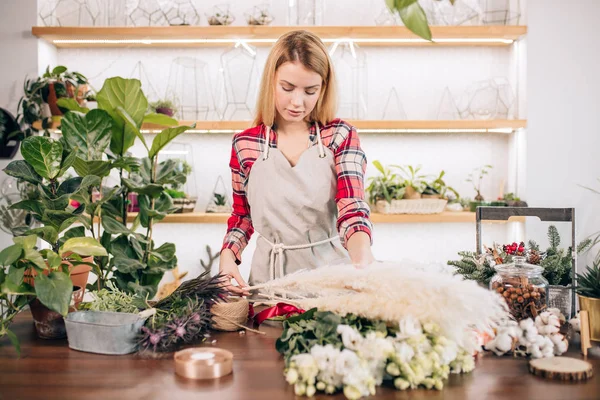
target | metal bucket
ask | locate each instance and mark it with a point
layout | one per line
(560, 297)
(103, 332)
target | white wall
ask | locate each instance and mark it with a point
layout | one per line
(19, 51)
(563, 102)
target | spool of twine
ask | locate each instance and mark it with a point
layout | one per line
(231, 315)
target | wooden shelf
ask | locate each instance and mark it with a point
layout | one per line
(363, 126)
(445, 217)
(206, 36)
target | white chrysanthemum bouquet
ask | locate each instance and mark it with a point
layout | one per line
(411, 324)
(409, 355)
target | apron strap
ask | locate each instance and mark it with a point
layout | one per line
(277, 249)
(268, 142)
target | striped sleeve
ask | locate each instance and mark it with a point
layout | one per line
(350, 166)
(239, 224)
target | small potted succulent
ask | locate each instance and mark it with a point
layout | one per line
(259, 15)
(181, 200)
(414, 182)
(220, 15)
(165, 107)
(476, 177)
(218, 204)
(437, 189)
(588, 292)
(513, 201)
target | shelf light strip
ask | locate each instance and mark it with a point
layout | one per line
(408, 130)
(242, 40)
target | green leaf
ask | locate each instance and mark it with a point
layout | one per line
(89, 134)
(114, 227)
(166, 136)
(20, 169)
(26, 242)
(53, 259)
(10, 254)
(415, 20)
(78, 231)
(64, 225)
(59, 70)
(59, 203)
(131, 124)
(84, 246)
(35, 257)
(28, 205)
(128, 94)
(69, 186)
(15, 341)
(47, 233)
(90, 180)
(86, 168)
(71, 105)
(44, 155)
(166, 252)
(15, 275)
(390, 4)
(129, 164)
(151, 189)
(379, 167)
(54, 291)
(127, 265)
(160, 119)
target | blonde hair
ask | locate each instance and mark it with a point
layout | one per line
(306, 48)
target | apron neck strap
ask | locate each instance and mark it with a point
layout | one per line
(268, 142)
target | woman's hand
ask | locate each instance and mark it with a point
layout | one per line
(229, 269)
(359, 249)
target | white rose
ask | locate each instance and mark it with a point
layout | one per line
(324, 356)
(346, 362)
(404, 352)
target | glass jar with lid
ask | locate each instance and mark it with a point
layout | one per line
(522, 286)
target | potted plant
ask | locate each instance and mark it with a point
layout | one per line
(259, 15)
(414, 182)
(437, 189)
(220, 16)
(513, 201)
(90, 101)
(166, 107)
(476, 177)
(135, 264)
(385, 188)
(588, 293)
(181, 200)
(60, 83)
(50, 292)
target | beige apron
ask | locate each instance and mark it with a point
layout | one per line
(293, 211)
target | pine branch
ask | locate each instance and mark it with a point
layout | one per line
(533, 245)
(553, 238)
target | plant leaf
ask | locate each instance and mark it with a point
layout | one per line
(129, 122)
(114, 227)
(26, 242)
(127, 265)
(84, 246)
(164, 137)
(10, 254)
(86, 168)
(128, 94)
(29, 205)
(160, 119)
(151, 189)
(36, 258)
(54, 291)
(78, 231)
(15, 342)
(88, 134)
(69, 186)
(415, 20)
(71, 105)
(44, 155)
(20, 169)
(47, 233)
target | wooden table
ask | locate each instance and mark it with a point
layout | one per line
(50, 370)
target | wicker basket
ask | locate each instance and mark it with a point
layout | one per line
(419, 206)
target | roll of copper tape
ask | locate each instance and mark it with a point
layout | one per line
(203, 363)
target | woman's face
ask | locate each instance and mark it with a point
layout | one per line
(297, 90)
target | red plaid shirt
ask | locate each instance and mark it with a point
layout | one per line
(350, 165)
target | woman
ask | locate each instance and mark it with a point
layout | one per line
(295, 171)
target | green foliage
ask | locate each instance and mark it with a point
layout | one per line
(220, 200)
(114, 300)
(439, 186)
(412, 15)
(476, 177)
(474, 267)
(302, 332)
(412, 177)
(588, 283)
(387, 186)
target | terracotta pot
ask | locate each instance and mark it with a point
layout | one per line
(50, 324)
(410, 193)
(52, 97)
(79, 274)
(592, 306)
